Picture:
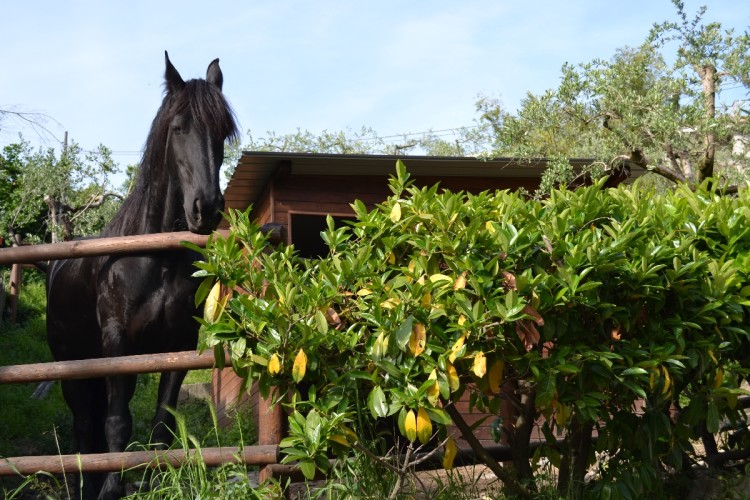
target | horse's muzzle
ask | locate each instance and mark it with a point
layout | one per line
(203, 217)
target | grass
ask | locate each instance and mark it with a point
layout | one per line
(44, 426)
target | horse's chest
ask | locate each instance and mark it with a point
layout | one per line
(149, 298)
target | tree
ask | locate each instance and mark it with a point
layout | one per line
(641, 109)
(45, 196)
(21, 119)
(465, 141)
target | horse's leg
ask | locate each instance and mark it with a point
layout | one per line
(164, 421)
(87, 399)
(118, 427)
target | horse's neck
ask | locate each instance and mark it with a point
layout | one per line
(162, 208)
(155, 207)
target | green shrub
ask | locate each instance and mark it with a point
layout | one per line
(582, 307)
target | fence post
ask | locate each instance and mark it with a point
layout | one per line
(270, 425)
(16, 275)
(2, 299)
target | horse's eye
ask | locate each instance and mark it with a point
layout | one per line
(177, 129)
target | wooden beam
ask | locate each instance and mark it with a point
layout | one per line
(101, 367)
(116, 245)
(115, 462)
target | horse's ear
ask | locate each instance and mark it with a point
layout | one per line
(172, 78)
(213, 74)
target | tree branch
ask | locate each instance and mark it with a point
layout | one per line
(33, 119)
(95, 202)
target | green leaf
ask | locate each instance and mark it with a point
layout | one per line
(377, 403)
(321, 322)
(635, 371)
(545, 392)
(308, 469)
(568, 368)
(439, 415)
(203, 289)
(313, 424)
(403, 333)
(401, 420)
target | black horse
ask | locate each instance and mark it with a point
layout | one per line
(137, 304)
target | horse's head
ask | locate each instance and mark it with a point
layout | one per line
(200, 122)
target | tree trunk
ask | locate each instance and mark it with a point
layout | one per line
(574, 463)
(708, 80)
(519, 435)
(506, 477)
(60, 225)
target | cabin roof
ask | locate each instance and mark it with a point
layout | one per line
(256, 168)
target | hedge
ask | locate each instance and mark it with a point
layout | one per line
(620, 312)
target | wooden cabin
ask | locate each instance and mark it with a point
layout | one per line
(298, 190)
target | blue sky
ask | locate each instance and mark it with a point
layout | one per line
(96, 67)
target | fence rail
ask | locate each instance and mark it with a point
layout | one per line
(101, 367)
(93, 247)
(265, 454)
(127, 460)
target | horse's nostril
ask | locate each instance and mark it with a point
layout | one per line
(197, 209)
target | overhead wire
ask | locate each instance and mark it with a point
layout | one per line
(384, 138)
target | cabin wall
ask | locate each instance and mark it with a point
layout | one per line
(333, 194)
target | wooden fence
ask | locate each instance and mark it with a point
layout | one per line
(265, 454)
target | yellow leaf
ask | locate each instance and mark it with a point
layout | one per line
(426, 299)
(490, 227)
(562, 414)
(351, 436)
(396, 212)
(213, 308)
(461, 320)
(274, 365)
(496, 375)
(439, 277)
(391, 258)
(451, 450)
(460, 282)
(711, 355)
(480, 365)
(300, 366)
(364, 292)
(424, 426)
(338, 438)
(391, 303)
(410, 425)
(667, 380)
(718, 378)
(433, 393)
(456, 348)
(418, 339)
(453, 382)
(380, 347)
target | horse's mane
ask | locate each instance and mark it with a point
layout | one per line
(208, 107)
